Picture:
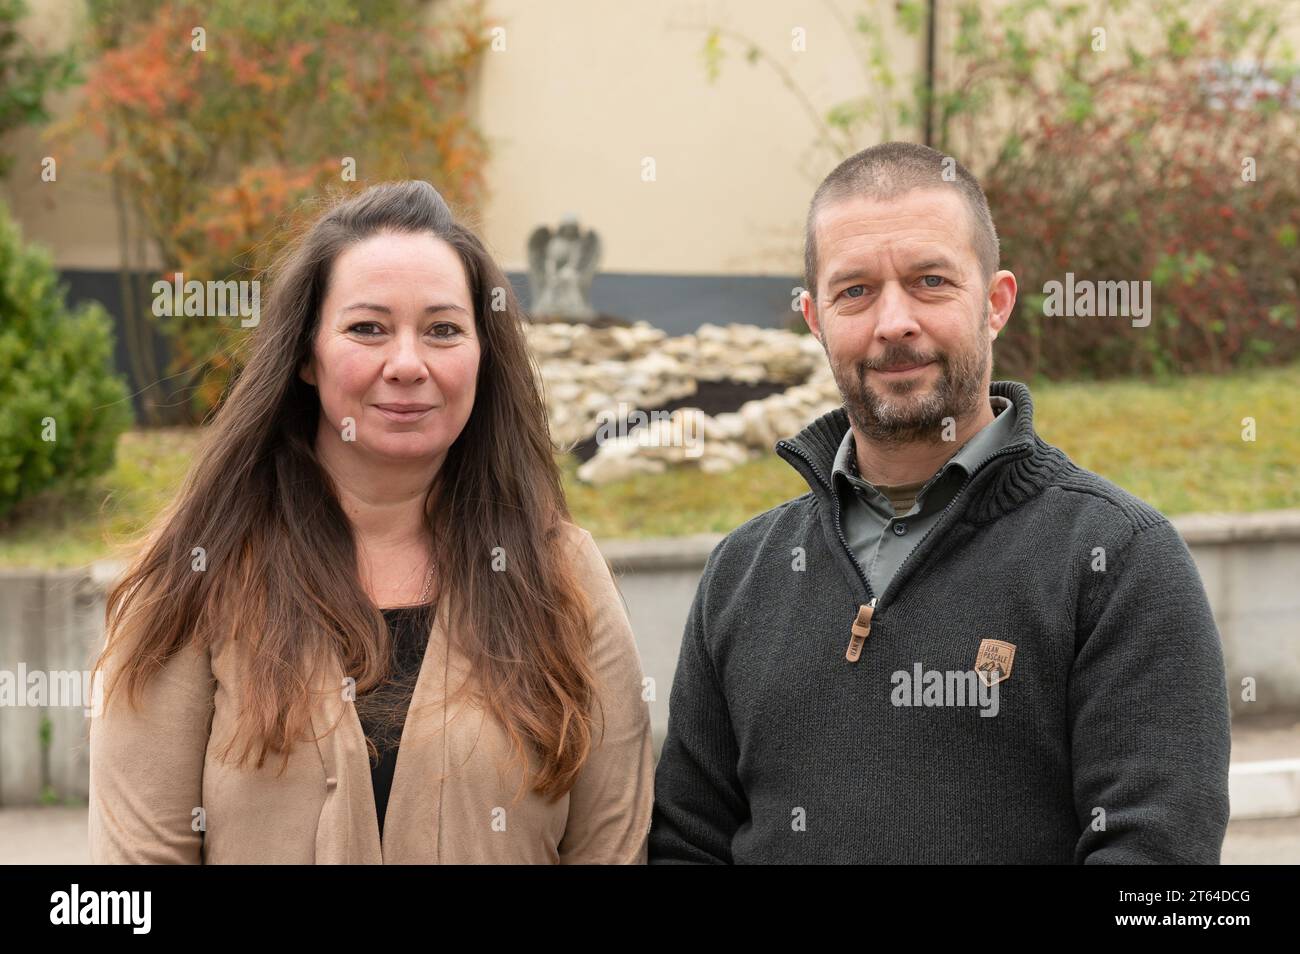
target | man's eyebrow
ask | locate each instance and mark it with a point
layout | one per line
(846, 274)
(385, 310)
(937, 263)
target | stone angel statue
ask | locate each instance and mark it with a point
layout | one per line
(561, 266)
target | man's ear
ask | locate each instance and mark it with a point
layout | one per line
(808, 308)
(1002, 298)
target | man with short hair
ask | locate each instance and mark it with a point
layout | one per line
(959, 646)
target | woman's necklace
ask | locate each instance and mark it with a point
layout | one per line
(428, 584)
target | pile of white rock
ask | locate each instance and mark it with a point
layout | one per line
(595, 378)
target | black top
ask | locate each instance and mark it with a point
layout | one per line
(409, 626)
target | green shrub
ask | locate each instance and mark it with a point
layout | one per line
(61, 406)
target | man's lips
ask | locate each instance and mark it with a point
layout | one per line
(904, 369)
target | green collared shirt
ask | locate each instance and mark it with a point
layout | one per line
(880, 538)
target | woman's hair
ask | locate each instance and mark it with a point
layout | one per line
(281, 570)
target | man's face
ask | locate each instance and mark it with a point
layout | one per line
(904, 313)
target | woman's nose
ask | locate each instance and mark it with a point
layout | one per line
(405, 360)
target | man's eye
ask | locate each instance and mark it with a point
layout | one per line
(861, 290)
(938, 281)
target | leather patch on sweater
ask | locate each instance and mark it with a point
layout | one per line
(993, 662)
(861, 630)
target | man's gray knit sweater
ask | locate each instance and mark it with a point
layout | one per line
(1111, 736)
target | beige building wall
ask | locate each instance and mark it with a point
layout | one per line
(586, 92)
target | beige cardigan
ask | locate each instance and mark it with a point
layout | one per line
(152, 769)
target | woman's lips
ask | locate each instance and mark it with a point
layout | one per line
(404, 413)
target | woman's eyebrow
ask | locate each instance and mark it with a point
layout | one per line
(385, 310)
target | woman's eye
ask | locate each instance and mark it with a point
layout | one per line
(369, 329)
(937, 283)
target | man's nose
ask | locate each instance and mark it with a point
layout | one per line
(894, 321)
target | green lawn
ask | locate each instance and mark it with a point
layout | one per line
(1176, 444)
(71, 528)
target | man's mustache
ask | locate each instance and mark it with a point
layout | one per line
(892, 360)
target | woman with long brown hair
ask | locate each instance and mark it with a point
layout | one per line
(366, 630)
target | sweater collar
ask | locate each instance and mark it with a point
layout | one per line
(1018, 471)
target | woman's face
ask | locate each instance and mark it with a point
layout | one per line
(396, 328)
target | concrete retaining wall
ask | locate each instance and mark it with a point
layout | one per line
(49, 622)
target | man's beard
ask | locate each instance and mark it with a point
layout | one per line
(900, 416)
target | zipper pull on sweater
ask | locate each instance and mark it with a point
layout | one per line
(861, 630)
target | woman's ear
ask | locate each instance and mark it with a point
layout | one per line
(307, 372)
